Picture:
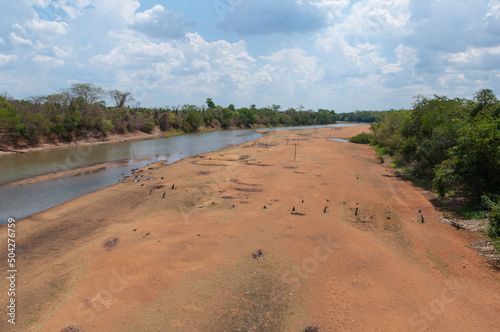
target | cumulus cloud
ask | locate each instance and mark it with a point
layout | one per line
(262, 17)
(482, 58)
(39, 26)
(44, 59)
(162, 24)
(17, 40)
(117, 9)
(139, 53)
(73, 8)
(334, 8)
(5, 59)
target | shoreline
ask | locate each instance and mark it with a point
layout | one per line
(110, 139)
(137, 135)
(247, 237)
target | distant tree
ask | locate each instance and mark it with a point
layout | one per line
(210, 103)
(483, 99)
(88, 91)
(9, 116)
(121, 97)
(485, 96)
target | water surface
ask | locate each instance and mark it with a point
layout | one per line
(23, 200)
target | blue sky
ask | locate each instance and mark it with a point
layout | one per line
(335, 54)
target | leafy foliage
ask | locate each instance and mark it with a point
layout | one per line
(363, 138)
(453, 144)
(494, 228)
(81, 111)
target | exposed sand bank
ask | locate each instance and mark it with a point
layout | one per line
(340, 236)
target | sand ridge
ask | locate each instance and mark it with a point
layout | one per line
(341, 240)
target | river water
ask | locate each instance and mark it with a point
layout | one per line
(23, 200)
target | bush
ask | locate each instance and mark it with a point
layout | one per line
(363, 138)
(494, 228)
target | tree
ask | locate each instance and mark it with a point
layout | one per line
(485, 96)
(9, 116)
(121, 97)
(88, 91)
(210, 103)
(483, 99)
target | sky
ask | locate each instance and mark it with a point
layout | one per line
(335, 54)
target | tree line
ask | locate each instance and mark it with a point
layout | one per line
(80, 111)
(451, 144)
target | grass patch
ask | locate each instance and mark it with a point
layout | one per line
(473, 213)
(381, 151)
(496, 243)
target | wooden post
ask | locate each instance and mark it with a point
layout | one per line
(295, 153)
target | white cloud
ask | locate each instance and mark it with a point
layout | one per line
(39, 26)
(494, 9)
(16, 40)
(482, 58)
(334, 8)
(117, 9)
(407, 57)
(372, 19)
(73, 8)
(452, 79)
(44, 59)
(327, 53)
(162, 24)
(5, 59)
(296, 61)
(137, 53)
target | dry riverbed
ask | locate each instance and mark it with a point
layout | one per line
(249, 239)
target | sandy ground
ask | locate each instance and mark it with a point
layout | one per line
(247, 239)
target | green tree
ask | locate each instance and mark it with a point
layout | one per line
(9, 116)
(210, 103)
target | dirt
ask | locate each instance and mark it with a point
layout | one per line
(47, 145)
(356, 257)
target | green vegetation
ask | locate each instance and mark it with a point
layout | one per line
(81, 111)
(494, 228)
(363, 138)
(362, 116)
(453, 144)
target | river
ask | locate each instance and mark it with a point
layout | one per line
(24, 200)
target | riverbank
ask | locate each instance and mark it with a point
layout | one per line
(6, 149)
(249, 238)
(135, 136)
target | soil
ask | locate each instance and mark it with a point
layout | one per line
(9, 147)
(207, 256)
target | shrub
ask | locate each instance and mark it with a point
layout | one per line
(494, 228)
(363, 138)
